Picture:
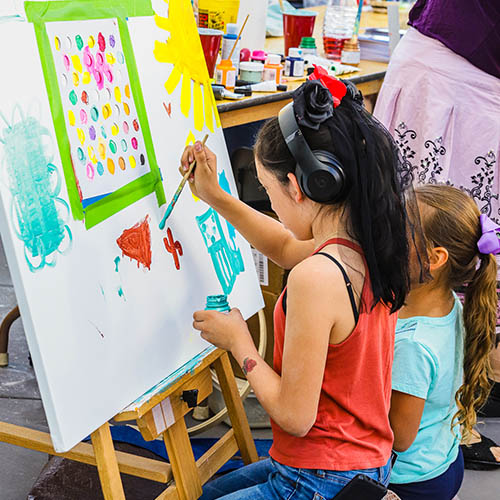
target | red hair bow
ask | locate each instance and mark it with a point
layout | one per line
(334, 85)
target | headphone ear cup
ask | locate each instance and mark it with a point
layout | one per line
(325, 182)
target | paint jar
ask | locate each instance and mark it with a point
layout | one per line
(217, 303)
(259, 56)
(294, 65)
(245, 55)
(273, 69)
(225, 74)
(351, 53)
(228, 41)
(308, 45)
(297, 24)
(210, 41)
(251, 72)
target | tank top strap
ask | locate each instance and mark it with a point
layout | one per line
(341, 241)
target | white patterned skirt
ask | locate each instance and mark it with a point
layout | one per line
(444, 114)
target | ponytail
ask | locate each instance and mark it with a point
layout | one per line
(480, 312)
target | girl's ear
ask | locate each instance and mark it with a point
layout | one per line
(438, 257)
(294, 188)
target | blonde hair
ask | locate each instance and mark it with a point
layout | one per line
(450, 219)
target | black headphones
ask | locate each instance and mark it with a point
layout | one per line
(319, 173)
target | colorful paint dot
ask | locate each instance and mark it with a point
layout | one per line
(103, 132)
(76, 79)
(108, 94)
(91, 41)
(117, 110)
(127, 90)
(135, 124)
(86, 78)
(118, 94)
(115, 129)
(143, 159)
(79, 42)
(71, 117)
(101, 149)
(101, 42)
(83, 116)
(125, 127)
(120, 57)
(81, 135)
(68, 43)
(111, 166)
(99, 59)
(108, 74)
(88, 59)
(73, 98)
(98, 77)
(92, 133)
(112, 41)
(121, 162)
(110, 57)
(91, 153)
(112, 146)
(66, 62)
(106, 111)
(100, 168)
(81, 155)
(134, 143)
(132, 161)
(57, 43)
(94, 113)
(124, 145)
(126, 108)
(77, 64)
(85, 97)
(90, 171)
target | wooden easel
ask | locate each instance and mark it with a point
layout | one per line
(162, 415)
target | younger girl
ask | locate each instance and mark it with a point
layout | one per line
(328, 395)
(439, 350)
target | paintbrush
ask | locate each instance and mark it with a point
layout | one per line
(171, 205)
(239, 35)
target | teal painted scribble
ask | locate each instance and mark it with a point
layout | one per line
(121, 293)
(39, 216)
(117, 261)
(227, 261)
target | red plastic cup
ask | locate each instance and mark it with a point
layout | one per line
(296, 24)
(210, 41)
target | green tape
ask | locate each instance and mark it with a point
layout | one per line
(40, 13)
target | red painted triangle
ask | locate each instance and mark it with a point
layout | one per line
(136, 243)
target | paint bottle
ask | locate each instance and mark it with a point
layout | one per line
(228, 41)
(294, 65)
(217, 303)
(273, 69)
(225, 74)
(259, 56)
(308, 45)
(351, 53)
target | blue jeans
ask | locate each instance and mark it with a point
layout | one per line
(269, 480)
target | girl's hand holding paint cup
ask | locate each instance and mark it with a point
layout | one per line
(224, 330)
(203, 181)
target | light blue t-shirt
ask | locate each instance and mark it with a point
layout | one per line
(428, 364)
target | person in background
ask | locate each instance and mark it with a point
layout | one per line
(440, 100)
(441, 360)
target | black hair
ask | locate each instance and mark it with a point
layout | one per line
(374, 197)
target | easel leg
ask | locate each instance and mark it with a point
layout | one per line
(180, 454)
(107, 465)
(235, 409)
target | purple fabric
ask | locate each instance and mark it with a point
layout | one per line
(470, 28)
(489, 242)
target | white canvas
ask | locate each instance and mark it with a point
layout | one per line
(103, 329)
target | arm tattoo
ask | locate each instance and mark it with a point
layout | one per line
(248, 365)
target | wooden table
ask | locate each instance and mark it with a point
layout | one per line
(266, 105)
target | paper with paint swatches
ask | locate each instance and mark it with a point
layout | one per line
(106, 141)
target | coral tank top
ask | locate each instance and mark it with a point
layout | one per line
(352, 428)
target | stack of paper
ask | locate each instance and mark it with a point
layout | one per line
(374, 44)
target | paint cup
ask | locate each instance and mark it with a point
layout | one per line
(210, 41)
(297, 24)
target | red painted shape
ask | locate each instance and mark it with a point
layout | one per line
(173, 247)
(168, 109)
(101, 42)
(136, 243)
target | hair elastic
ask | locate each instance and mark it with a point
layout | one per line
(489, 241)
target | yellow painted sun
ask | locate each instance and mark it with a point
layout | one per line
(183, 49)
